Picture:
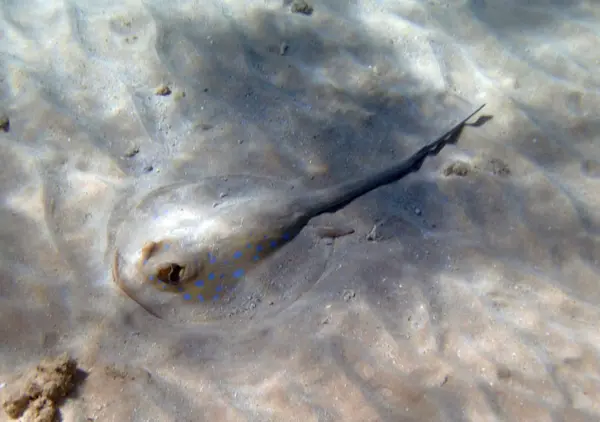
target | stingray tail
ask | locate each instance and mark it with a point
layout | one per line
(332, 199)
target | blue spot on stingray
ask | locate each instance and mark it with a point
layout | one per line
(259, 248)
(256, 258)
(286, 236)
(237, 254)
(215, 298)
(199, 283)
(222, 276)
(211, 276)
(238, 273)
(212, 259)
(180, 288)
(164, 286)
(249, 245)
(273, 243)
(201, 298)
(151, 278)
(219, 288)
(187, 296)
(145, 261)
(166, 247)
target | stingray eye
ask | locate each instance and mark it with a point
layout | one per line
(171, 274)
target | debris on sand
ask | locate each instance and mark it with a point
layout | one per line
(36, 394)
(498, 167)
(495, 166)
(373, 234)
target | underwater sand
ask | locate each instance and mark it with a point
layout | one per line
(469, 291)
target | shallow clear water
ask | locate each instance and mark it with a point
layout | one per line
(467, 292)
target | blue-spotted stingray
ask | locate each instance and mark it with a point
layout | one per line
(177, 248)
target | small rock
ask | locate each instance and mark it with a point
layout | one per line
(163, 90)
(148, 169)
(205, 126)
(348, 295)
(418, 211)
(4, 123)
(40, 390)
(283, 48)
(301, 6)
(132, 152)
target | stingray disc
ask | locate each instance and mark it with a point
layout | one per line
(205, 251)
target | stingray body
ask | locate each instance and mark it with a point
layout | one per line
(194, 243)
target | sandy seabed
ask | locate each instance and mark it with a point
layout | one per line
(468, 291)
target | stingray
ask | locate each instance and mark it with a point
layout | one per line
(203, 251)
